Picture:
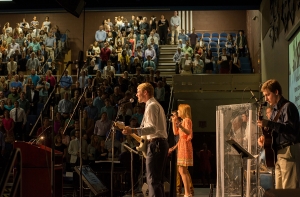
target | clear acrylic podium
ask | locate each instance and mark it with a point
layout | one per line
(237, 122)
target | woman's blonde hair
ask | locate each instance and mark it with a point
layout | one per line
(185, 111)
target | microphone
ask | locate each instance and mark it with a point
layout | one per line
(125, 102)
(253, 96)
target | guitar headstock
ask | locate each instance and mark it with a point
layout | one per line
(119, 124)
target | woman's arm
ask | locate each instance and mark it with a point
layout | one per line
(12, 126)
(188, 128)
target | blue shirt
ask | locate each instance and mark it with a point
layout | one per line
(92, 112)
(100, 35)
(15, 84)
(183, 37)
(49, 42)
(35, 79)
(149, 64)
(99, 103)
(110, 112)
(66, 81)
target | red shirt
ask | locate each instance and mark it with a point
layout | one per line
(7, 123)
(105, 53)
(52, 80)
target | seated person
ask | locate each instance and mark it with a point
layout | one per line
(101, 152)
(117, 147)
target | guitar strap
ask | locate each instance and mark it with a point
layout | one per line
(278, 113)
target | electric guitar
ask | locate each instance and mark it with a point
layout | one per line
(141, 139)
(268, 145)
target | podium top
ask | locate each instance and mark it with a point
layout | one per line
(243, 152)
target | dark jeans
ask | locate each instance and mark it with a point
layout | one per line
(18, 131)
(155, 166)
(241, 52)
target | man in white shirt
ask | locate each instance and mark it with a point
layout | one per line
(175, 25)
(154, 127)
(12, 66)
(19, 117)
(150, 37)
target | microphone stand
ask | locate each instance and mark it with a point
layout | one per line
(112, 130)
(131, 165)
(80, 154)
(75, 108)
(49, 97)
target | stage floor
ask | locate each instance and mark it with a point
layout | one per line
(201, 192)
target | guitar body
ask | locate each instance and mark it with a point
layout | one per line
(142, 140)
(143, 146)
(269, 147)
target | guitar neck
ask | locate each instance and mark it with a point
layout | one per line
(136, 137)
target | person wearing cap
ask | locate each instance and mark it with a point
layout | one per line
(149, 65)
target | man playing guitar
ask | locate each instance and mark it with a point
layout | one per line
(284, 125)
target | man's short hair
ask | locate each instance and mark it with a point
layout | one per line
(147, 87)
(272, 85)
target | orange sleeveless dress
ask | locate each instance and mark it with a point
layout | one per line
(185, 148)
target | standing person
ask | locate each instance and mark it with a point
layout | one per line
(154, 127)
(185, 149)
(19, 117)
(284, 123)
(175, 24)
(105, 54)
(241, 43)
(205, 165)
(163, 28)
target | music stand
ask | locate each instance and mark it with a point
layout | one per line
(244, 154)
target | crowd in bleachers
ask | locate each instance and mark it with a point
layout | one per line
(211, 53)
(125, 47)
(120, 48)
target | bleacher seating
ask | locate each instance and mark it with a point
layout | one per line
(214, 49)
(233, 34)
(199, 35)
(213, 44)
(205, 44)
(222, 44)
(214, 39)
(215, 35)
(223, 35)
(206, 35)
(222, 39)
(206, 39)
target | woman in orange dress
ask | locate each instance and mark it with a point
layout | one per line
(185, 148)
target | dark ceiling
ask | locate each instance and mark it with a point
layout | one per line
(127, 5)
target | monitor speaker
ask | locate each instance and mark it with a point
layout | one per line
(74, 7)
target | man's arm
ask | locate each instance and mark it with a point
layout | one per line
(24, 118)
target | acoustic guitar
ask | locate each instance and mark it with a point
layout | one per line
(270, 151)
(141, 139)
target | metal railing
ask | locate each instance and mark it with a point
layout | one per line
(14, 164)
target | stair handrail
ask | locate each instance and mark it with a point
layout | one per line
(14, 163)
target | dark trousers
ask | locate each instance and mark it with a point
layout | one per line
(18, 130)
(155, 166)
(103, 64)
(241, 52)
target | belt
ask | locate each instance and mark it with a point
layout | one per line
(282, 146)
(157, 139)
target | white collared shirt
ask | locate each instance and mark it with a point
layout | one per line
(154, 121)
